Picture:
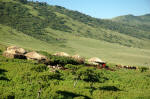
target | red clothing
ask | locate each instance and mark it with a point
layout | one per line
(103, 65)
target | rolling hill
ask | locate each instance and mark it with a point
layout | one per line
(134, 20)
(39, 26)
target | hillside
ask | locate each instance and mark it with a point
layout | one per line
(142, 22)
(39, 26)
(134, 20)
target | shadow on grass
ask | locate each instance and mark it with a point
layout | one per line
(147, 75)
(4, 78)
(70, 95)
(2, 75)
(109, 88)
(2, 71)
(106, 88)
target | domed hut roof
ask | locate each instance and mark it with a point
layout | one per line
(15, 52)
(35, 56)
(78, 58)
(95, 60)
(15, 49)
(61, 54)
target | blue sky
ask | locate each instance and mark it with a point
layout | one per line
(104, 8)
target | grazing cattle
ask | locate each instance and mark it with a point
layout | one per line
(126, 67)
(119, 66)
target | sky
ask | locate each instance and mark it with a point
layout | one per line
(104, 8)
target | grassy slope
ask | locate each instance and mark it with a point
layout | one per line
(79, 45)
(134, 20)
(82, 41)
(18, 79)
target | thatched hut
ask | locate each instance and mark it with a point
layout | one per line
(35, 56)
(15, 52)
(15, 49)
(78, 58)
(95, 61)
(61, 54)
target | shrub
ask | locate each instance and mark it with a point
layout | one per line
(62, 60)
(73, 67)
(144, 69)
(0, 52)
(40, 68)
(51, 76)
(90, 75)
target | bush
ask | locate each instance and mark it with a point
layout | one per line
(40, 68)
(90, 75)
(144, 69)
(51, 76)
(73, 67)
(62, 60)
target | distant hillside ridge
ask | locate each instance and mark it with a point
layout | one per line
(43, 27)
(35, 18)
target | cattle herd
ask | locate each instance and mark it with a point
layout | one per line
(126, 67)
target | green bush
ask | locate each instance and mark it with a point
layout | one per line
(73, 68)
(40, 68)
(144, 69)
(22, 1)
(62, 60)
(90, 74)
(51, 76)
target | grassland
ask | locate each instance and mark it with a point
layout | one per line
(41, 27)
(53, 29)
(87, 47)
(23, 79)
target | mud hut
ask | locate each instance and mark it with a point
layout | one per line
(15, 52)
(79, 59)
(61, 54)
(35, 56)
(15, 49)
(96, 61)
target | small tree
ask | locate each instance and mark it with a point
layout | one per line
(73, 69)
(144, 69)
(91, 75)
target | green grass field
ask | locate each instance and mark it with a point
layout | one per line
(22, 79)
(86, 47)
